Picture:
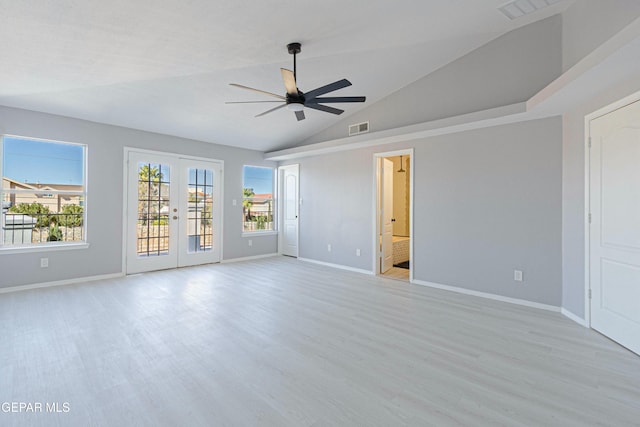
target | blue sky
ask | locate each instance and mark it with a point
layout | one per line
(260, 179)
(32, 161)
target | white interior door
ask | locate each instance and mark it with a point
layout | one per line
(386, 216)
(290, 209)
(173, 212)
(615, 225)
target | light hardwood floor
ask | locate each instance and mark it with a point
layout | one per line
(282, 342)
(397, 273)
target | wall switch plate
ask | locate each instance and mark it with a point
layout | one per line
(517, 275)
(250, 242)
(234, 202)
(329, 247)
(44, 262)
(357, 252)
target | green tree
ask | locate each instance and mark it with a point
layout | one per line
(247, 194)
(149, 188)
(34, 210)
(71, 216)
(148, 173)
(55, 234)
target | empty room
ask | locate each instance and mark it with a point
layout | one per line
(320, 213)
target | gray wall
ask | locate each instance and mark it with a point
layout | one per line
(507, 70)
(589, 23)
(336, 208)
(486, 202)
(104, 201)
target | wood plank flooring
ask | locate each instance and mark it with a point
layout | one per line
(279, 342)
(397, 273)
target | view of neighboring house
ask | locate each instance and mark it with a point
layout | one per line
(53, 200)
(262, 205)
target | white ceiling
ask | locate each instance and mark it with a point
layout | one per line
(165, 65)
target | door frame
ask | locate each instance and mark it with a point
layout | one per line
(376, 203)
(125, 195)
(628, 100)
(280, 183)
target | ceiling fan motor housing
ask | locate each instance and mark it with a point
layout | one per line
(294, 48)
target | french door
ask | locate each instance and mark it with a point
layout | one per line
(173, 211)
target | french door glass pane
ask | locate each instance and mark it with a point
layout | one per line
(153, 209)
(200, 210)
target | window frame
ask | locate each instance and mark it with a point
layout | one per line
(44, 193)
(272, 199)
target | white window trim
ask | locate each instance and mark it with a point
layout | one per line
(274, 231)
(44, 247)
(259, 233)
(49, 246)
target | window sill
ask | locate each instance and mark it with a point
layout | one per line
(259, 233)
(43, 248)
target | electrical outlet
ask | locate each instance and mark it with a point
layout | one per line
(357, 252)
(44, 262)
(329, 247)
(517, 275)
(234, 202)
(250, 242)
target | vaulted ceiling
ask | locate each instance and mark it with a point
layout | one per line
(165, 66)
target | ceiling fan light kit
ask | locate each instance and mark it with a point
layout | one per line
(296, 100)
(295, 106)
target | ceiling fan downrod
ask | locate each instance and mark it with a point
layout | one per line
(294, 49)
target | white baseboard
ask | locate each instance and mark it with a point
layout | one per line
(248, 258)
(579, 320)
(340, 266)
(60, 283)
(488, 296)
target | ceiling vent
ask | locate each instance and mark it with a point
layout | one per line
(358, 128)
(516, 9)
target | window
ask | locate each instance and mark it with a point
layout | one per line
(43, 192)
(257, 199)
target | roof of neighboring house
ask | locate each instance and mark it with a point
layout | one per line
(41, 186)
(21, 184)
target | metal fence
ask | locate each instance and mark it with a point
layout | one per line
(23, 229)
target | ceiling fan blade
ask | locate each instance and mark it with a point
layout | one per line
(289, 81)
(324, 108)
(248, 102)
(328, 88)
(258, 90)
(300, 115)
(271, 110)
(333, 99)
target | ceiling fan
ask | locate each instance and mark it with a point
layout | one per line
(296, 100)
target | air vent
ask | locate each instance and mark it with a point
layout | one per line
(358, 128)
(516, 9)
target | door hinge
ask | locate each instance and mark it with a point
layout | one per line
(589, 293)
(589, 217)
(589, 142)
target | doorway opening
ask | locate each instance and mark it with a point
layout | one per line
(394, 214)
